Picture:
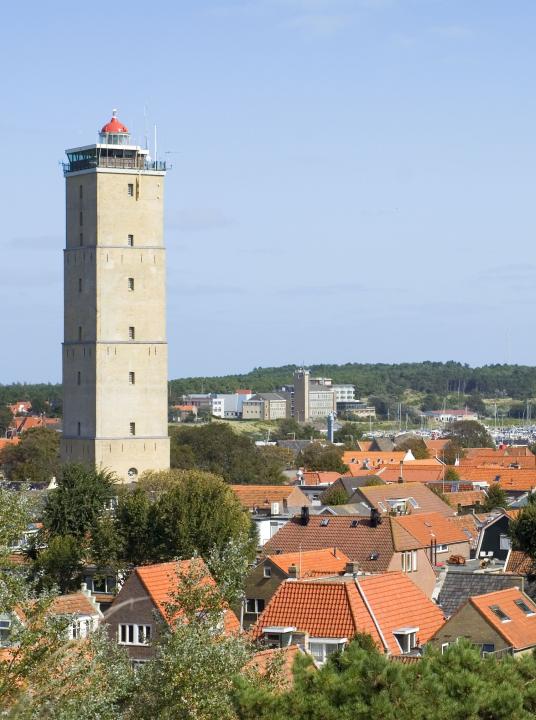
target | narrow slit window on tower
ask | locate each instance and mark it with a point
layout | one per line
(130, 240)
(81, 218)
(132, 378)
(131, 190)
(132, 428)
(132, 333)
(79, 428)
(131, 283)
(79, 378)
(81, 239)
(79, 284)
(79, 333)
(80, 192)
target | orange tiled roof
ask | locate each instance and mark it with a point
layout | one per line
(397, 602)
(160, 580)
(521, 480)
(520, 563)
(426, 526)
(262, 661)
(72, 604)
(427, 501)
(340, 609)
(319, 477)
(470, 525)
(6, 442)
(263, 495)
(520, 631)
(374, 457)
(313, 562)
(411, 472)
(437, 446)
(320, 608)
(465, 498)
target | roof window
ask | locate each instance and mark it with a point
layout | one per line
(324, 522)
(503, 617)
(353, 524)
(522, 605)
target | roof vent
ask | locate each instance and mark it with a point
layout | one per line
(374, 556)
(324, 522)
(354, 523)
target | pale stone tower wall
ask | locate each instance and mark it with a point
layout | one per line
(114, 376)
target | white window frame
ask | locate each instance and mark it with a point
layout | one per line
(444, 647)
(442, 548)
(410, 637)
(142, 631)
(256, 605)
(409, 561)
(267, 571)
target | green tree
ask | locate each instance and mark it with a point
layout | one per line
(79, 500)
(318, 456)
(495, 498)
(334, 496)
(476, 403)
(522, 530)
(41, 675)
(133, 526)
(35, 459)
(218, 449)
(348, 434)
(452, 452)
(6, 416)
(417, 447)
(469, 434)
(291, 429)
(451, 475)
(192, 676)
(196, 514)
(430, 402)
(59, 565)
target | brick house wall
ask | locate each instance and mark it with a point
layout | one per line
(424, 577)
(470, 624)
(259, 587)
(133, 606)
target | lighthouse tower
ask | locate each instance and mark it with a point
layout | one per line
(115, 348)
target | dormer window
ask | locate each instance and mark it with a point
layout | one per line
(406, 638)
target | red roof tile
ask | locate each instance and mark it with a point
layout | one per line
(426, 500)
(465, 498)
(160, 582)
(312, 562)
(72, 604)
(427, 526)
(341, 609)
(520, 563)
(263, 496)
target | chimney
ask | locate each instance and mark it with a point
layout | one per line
(375, 517)
(335, 552)
(304, 520)
(293, 572)
(352, 568)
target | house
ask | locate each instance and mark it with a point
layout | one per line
(22, 407)
(271, 506)
(427, 471)
(449, 416)
(501, 622)
(350, 484)
(494, 541)
(263, 581)
(373, 543)
(323, 615)
(282, 659)
(441, 538)
(265, 406)
(313, 482)
(459, 586)
(374, 459)
(466, 501)
(401, 499)
(140, 609)
(506, 457)
(79, 610)
(514, 481)
(180, 413)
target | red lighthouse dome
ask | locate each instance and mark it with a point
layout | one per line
(114, 126)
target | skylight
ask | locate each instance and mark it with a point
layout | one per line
(413, 502)
(503, 617)
(522, 605)
(324, 522)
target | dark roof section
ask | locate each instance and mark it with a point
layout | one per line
(382, 444)
(458, 587)
(371, 547)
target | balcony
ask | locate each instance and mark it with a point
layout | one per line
(137, 163)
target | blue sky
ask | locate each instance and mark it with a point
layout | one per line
(353, 180)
